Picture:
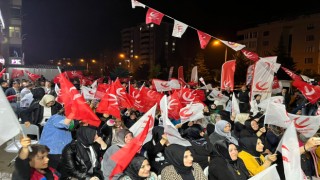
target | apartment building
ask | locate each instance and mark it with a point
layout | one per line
(11, 37)
(301, 37)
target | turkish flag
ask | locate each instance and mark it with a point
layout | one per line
(124, 155)
(75, 105)
(154, 16)
(31, 76)
(17, 73)
(204, 39)
(109, 103)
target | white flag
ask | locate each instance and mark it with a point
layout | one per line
(172, 132)
(264, 103)
(194, 74)
(289, 148)
(276, 114)
(306, 125)
(179, 28)
(138, 127)
(135, 3)
(267, 174)
(88, 93)
(235, 106)
(233, 45)
(10, 126)
(218, 96)
(191, 112)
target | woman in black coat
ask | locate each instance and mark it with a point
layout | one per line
(226, 164)
(80, 158)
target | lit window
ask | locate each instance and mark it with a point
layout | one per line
(173, 44)
(14, 32)
(151, 25)
(166, 43)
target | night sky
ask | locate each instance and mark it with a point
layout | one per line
(82, 28)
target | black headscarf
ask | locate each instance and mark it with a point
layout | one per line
(86, 134)
(249, 144)
(222, 147)
(157, 133)
(133, 168)
(174, 155)
(193, 132)
(247, 123)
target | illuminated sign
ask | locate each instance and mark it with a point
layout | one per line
(16, 61)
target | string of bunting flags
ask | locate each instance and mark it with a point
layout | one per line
(179, 28)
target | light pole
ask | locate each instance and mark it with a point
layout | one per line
(218, 43)
(87, 63)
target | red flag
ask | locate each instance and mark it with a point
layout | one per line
(250, 55)
(188, 96)
(135, 93)
(180, 73)
(153, 16)
(75, 105)
(203, 38)
(74, 74)
(57, 90)
(174, 106)
(109, 103)
(2, 72)
(17, 73)
(227, 74)
(101, 90)
(125, 100)
(31, 76)
(291, 74)
(124, 156)
(310, 92)
(149, 98)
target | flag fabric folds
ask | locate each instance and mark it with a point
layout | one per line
(10, 126)
(154, 16)
(31, 76)
(124, 156)
(170, 130)
(178, 29)
(75, 105)
(289, 148)
(233, 45)
(204, 39)
(135, 3)
(15, 73)
(227, 74)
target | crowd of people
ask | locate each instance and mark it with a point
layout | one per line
(221, 148)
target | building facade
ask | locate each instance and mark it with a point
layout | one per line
(148, 44)
(11, 38)
(300, 35)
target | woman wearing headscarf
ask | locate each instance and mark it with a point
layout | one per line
(252, 129)
(138, 169)
(109, 130)
(80, 158)
(222, 131)
(155, 149)
(226, 164)
(39, 113)
(252, 156)
(107, 164)
(201, 147)
(181, 165)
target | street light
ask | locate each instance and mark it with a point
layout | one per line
(218, 43)
(87, 63)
